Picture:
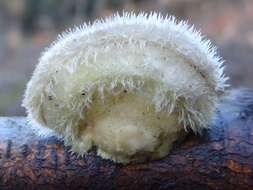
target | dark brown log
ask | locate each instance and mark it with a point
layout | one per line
(221, 159)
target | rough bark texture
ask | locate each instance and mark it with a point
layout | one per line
(221, 159)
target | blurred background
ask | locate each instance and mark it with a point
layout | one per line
(28, 26)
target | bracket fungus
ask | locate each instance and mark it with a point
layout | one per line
(129, 85)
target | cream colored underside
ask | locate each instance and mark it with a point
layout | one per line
(127, 128)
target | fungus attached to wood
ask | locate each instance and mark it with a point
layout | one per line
(129, 85)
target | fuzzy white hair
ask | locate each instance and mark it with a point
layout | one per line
(168, 62)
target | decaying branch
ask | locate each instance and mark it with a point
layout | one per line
(221, 159)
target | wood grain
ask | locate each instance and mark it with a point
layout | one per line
(220, 159)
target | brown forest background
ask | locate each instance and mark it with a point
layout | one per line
(28, 26)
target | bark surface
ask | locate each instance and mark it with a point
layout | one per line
(222, 158)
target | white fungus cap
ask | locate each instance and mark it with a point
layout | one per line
(168, 63)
